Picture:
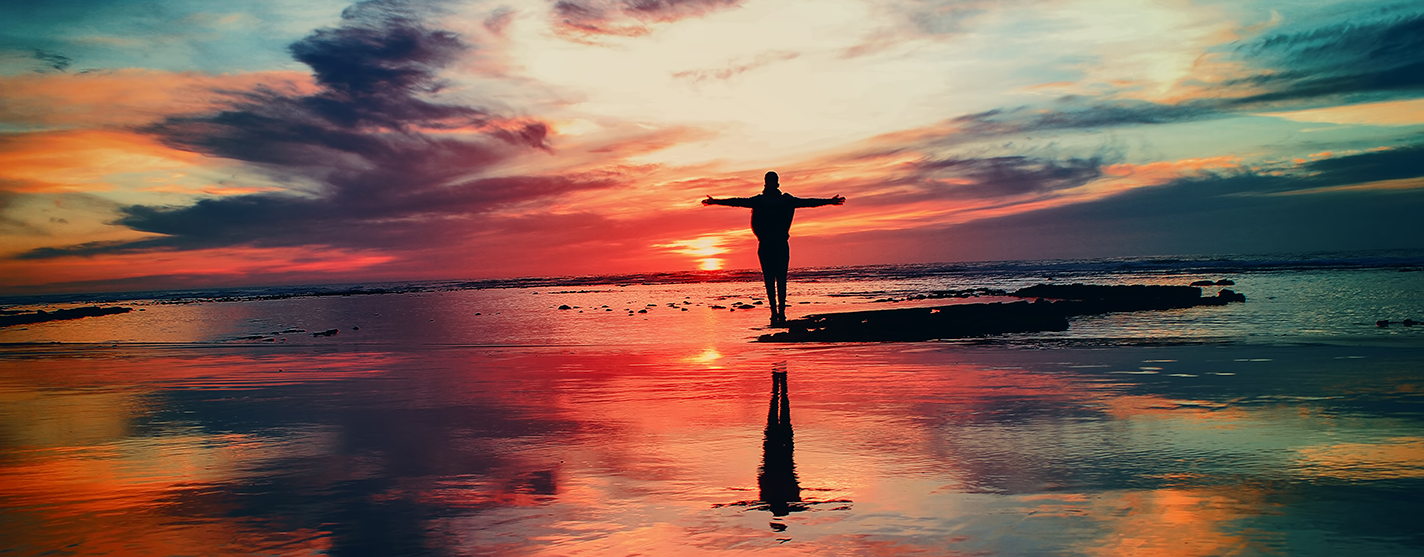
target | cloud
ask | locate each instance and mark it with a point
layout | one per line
(54, 60)
(1071, 113)
(583, 20)
(736, 67)
(394, 168)
(1346, 59)
(128, 97)
(1234, 211)
(1358, 61)
(1006, 176)
(923, 19)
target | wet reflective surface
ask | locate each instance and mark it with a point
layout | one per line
(720, 447)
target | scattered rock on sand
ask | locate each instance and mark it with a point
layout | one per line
(565, 306)
(326, 333)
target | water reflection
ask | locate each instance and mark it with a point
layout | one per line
(777, 485)
(597, 451)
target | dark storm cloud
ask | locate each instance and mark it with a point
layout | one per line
(364, 137)
(585, 18)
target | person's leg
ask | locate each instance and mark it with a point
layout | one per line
(767, 255)
(775, 258)
(781, 294)
(782, 262)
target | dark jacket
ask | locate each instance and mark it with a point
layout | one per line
(772, 214)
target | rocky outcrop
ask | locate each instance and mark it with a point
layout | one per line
(75, 313)
(1050, 311)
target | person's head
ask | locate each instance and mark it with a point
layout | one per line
(773, 183)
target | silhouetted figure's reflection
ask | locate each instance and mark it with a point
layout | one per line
(778, 488)
(772, 212)
(776, 479)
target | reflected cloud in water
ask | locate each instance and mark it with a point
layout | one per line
(561, 451)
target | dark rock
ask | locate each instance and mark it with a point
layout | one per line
(1203, 283)
(1382, 323)
(1050, 310)
(565, 306)
(1225, 282)
(1409, 322)
(1095, 299)
(326, 333)
(642, 311)
(1227, 296)
(918, 324)
(42, 316)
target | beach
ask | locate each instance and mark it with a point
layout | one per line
(448, 421)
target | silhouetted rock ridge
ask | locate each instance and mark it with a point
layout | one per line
(1050, 311)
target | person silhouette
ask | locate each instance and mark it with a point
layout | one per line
(772, 211)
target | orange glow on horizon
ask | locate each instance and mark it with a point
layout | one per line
(210, 263)
(701, 248)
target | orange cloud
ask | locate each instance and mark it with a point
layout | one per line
(1391, 113)
(1402, 184)
(82, 160)
(128, 97)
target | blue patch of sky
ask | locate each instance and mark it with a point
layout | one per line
(173, 35)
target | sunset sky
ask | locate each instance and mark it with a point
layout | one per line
(183, 143)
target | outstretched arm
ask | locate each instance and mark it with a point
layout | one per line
(819, 201)
(729, 202)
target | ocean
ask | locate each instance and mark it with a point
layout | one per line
(479, 418)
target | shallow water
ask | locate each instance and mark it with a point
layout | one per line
(1296, 306)
(490, 422)
(890, 449)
